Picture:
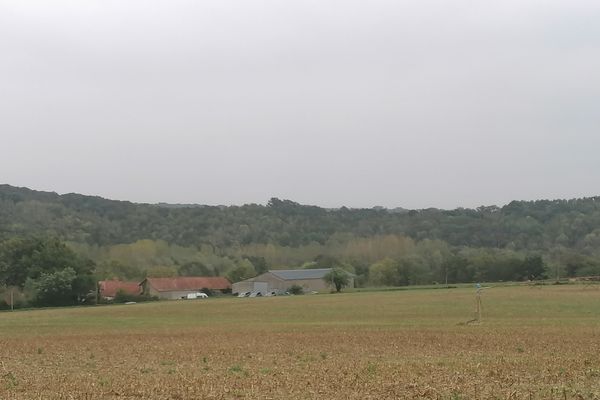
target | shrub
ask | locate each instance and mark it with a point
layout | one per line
(123, 297)
(4, 305)
(296, 289)
(20, 299)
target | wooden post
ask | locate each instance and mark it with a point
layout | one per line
(478, 306)
(12, 300)
(478, 302)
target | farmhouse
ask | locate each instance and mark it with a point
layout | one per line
(279, 281)
(179, 288)
(109, 289)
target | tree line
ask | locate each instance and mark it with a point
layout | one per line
(50, 242)
(49, 272)
(520, 225)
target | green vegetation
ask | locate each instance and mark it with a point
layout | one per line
(44, 272)
(295, 289)
(124, 297)
(536, 225)
(116, 239)
(338, 278)
(511, 307)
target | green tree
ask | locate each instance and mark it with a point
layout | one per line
(116, 270)
(194, 268)
(533, 268)
(338, 278)
(412, 270)
(242, 271)
(260, 264)
(23, 258)
(54, 288)
(296, 289)
(161, 272)
(383, 273)
(36, 261)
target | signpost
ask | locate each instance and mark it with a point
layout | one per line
(478, 305)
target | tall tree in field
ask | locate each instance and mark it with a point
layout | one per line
(338, 277)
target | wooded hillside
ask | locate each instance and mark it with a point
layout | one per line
(528, 225)
(522, 240)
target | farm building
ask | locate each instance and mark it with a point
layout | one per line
(279, 281)
(109, 289)
(180, 287)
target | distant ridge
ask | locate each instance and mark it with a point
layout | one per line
(177, 205)
(532, 225)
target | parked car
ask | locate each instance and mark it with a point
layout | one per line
(198, 295)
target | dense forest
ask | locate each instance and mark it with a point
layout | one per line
(520, 225)
(521, 240)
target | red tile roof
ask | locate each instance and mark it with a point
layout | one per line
(189, 283)
(110, 288)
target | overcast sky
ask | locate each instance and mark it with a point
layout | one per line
(359, 103)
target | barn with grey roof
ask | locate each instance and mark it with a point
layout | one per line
(279, 281)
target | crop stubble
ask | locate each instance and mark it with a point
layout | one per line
(534, 344)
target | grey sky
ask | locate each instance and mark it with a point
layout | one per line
(359, 103)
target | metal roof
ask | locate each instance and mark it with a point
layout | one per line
(110, 288)
(297, 274)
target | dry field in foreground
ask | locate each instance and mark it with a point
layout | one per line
(534, 343)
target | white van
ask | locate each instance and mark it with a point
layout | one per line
(199, 295)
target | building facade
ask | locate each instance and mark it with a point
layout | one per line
(107, 290)
(280, 281)
(180, 287)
